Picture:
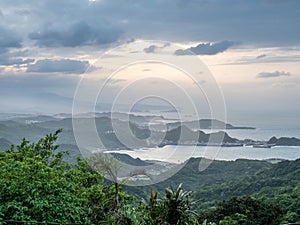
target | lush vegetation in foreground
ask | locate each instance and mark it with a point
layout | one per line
(37, 185)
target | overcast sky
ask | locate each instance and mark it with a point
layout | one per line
(252, 49)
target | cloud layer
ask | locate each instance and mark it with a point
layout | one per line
(9, 39)
(206, 48)
(272, 74)
(150, 49)
(10, 57)
(43, 42)
(62, 66)
(78, 34)
(73, 23)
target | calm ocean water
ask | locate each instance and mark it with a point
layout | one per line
(178, 154)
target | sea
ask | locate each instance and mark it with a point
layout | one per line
(181, 153)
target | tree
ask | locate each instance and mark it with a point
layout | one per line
(248, 210)
(36, 185)
(175, 208)
(110, 166)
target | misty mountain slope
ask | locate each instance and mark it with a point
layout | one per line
(184, 134)
(207, 124)
(35, 119)
(15, 132)
(217, 173)
(4, 144)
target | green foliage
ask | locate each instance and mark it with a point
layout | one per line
(247, 210)
(210, 181)
(36, 184)
(175, 208)
(228, 221)
(280, 182)
(44, 149)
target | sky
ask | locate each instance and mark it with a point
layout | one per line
(249, 50)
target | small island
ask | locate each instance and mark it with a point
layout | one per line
(182, 135)
(153, 131)
(209, 124)
(284, 141)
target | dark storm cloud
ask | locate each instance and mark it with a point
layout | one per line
(206, 48)
(262, 21)
(62, 65)
(272, 74)
(81, 22)
(9, 39)
(77, 34)
(14, 58)
(14, 61)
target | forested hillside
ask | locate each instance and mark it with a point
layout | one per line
(37, 185)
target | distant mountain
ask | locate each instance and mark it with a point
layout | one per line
(15, 132)
(105, 127)
(73, 152)
(10, 116)
(35, 119)
(39, 103)
(52, 97)
(34, 127)
(284, 141)
(216, 173)
(207, 124)
(4, 144)
(184, 135)
(217, 124)
(129, 160)
(152, 108)
(181, 132)
(138, 108)
(139, 120)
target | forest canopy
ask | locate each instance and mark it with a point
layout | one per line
(38, 186)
